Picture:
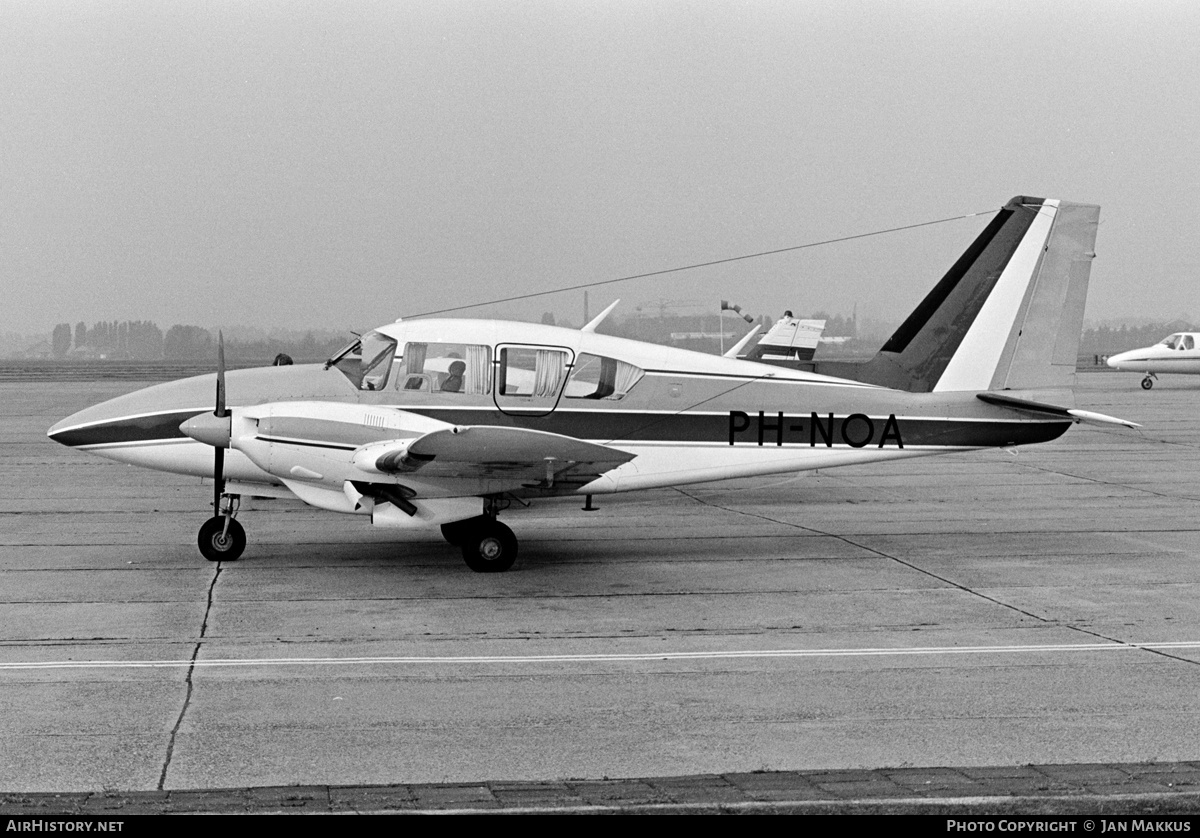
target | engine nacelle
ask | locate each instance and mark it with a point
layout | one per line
(317, 442)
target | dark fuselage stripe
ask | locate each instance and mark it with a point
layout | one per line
(306, 443)
(160, 426)
(765, 428)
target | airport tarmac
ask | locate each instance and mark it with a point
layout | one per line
(984, 610)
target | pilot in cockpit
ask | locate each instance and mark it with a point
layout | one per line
(453, 382)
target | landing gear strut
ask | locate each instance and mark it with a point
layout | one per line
(222, 538)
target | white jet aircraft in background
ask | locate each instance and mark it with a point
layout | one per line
(1178, 353)
(446, 422)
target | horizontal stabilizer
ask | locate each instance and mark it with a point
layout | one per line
(1043, 409)
(1101, 419)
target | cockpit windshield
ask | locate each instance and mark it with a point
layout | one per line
(367, 362)
(1180, 340)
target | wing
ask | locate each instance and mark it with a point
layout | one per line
(485, 459)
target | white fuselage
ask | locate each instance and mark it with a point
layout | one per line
(680, 417)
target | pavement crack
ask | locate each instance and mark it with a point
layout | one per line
(1138, 646)
(1110, 483)
(187, 697)
(947, 581)
(880, 553)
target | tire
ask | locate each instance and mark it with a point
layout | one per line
(1147, 383)
(456, 531)
(489, 547)
(216, 548)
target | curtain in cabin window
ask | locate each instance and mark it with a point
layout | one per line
(479, 369)
(551, 369)
(414, 358)
(627, 376)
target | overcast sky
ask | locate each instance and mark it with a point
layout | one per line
(341, 164)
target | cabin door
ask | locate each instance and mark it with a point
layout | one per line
(529, 379)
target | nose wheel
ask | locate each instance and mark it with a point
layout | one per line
(1148, 381)
(221, 539)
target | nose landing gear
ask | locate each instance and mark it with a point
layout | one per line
(222, 538)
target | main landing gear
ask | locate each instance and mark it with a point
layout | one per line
(222, 538)
(1146, 382)
(487, 545)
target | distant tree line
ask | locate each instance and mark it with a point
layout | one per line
(127, 339)
(1109, 340)
(141, 340)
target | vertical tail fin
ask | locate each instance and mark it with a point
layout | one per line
(1007, 315)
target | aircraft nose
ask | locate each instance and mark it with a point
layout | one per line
(1115, 361)
(135, 418)
(58, 430)
(208, 428)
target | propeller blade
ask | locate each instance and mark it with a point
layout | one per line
(220, 411)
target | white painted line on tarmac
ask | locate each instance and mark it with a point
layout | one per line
(746, 654)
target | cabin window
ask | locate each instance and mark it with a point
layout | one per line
(530, 371)
(446, 368)
(598, 377)
(1188, 342)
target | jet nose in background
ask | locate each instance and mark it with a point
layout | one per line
(1115, 361)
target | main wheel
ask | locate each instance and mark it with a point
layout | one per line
(216, 545)
(489, 547)
(1147, 383)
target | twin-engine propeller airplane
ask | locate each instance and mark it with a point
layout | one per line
(444, 422)
(1177, 353)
